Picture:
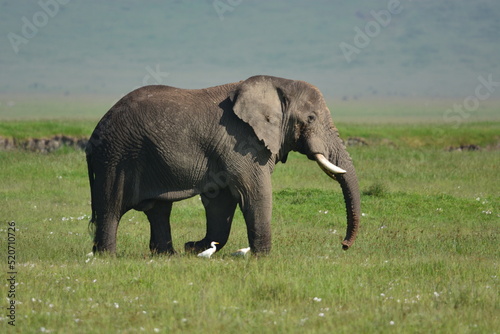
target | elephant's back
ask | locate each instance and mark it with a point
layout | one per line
(163, 120)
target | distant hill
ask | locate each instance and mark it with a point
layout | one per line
(354, 49)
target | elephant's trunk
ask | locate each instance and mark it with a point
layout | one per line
(346, 176)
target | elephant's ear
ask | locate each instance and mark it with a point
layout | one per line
(259, 103)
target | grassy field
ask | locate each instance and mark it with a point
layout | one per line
(426, 259)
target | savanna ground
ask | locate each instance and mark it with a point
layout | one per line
(426, 259)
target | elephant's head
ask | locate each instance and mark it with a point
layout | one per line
(292, 115)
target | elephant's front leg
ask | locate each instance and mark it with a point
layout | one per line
(256, 206)
(219, 209)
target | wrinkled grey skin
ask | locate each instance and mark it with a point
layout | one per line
(161, 144)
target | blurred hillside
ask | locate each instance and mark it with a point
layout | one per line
(421, 49)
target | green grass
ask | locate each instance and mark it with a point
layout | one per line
(46, 128)
(426, 259)
(415, 111)
(47, 107)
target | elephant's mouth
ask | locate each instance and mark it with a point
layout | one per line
(327, 167)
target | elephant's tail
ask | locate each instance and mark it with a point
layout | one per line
(92, 222)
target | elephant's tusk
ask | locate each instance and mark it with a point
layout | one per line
(327, 166)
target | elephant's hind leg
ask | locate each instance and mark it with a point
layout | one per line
(219, 210)
(159, 220)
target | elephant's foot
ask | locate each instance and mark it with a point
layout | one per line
(163, 248)
(100, 249)
(197, 246)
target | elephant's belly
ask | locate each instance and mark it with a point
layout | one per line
(171, 196)
(178, 195)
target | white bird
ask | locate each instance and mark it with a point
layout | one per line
(208, 252)
(241, 252)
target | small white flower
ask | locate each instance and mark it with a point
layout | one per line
(391, 323)
(436, 294)
(321, 314)
(156, 330)
(317, 299)
(116, 305)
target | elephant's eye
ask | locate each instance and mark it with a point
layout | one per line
(311, 118)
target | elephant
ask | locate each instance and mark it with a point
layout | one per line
(161, 144)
